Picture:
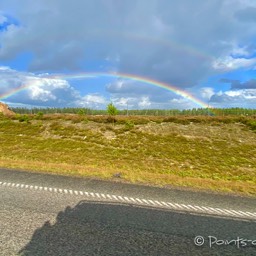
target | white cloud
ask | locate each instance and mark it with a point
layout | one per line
(144, 102)
(123, 102)
(243, 51)
(245, 93)
(234, 98)
(38, 90)
(2, 19)
(206, 92)
(3, 68)
(229, 63)
(94, 99)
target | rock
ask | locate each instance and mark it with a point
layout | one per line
(117, 175)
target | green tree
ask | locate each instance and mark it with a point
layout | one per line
(81, 112)
(111, 109)
(40, 115)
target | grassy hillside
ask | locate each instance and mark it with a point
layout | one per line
(213, 153)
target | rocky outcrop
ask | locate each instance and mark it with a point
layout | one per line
(4, 109)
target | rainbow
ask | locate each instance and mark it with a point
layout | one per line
(169, 43)
(14, 91)
(141, 79)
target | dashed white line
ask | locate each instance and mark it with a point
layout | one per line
(140, 201)
(115, 197)
(133, 200)
(119, 197)
(151, 202)
(145, 201)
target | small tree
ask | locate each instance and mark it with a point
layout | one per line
(40, 115)
(81, 112)
(111, 109)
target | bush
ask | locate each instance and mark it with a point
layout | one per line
(129, 124)
(251, 124)
(39, 115)
(23, 118)
(81, 112)
(111, 119)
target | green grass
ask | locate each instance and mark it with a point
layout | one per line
(207, 153)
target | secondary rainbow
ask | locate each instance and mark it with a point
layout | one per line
(85, 75)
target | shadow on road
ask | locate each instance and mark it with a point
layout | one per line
(94, 228)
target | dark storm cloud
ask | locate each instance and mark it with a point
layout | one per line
(180, 43)
(172, 41)
(247, 14)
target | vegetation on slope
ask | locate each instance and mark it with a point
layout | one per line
(216, 153)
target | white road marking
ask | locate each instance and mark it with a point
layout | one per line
(115, 197)
(120, 197)
(141, 201)
(145, 201)
(132, 199)
(151, 202)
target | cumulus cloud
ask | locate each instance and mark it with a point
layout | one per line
(37, 90)
(93, 101)
(230, 63)
(239, 94)
(137, 94)
(139, 102)
(206, 92)
(234, 98)
(45, 90)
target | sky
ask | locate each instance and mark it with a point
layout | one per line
(138, 54)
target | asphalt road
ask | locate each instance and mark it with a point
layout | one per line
(38, 221)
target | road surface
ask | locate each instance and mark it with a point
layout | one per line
(44, 214)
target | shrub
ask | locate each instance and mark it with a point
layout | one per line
(111, 119)
(23, 118)
(251, 124)
(81, 112)
(39, 115)
(129, 124)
